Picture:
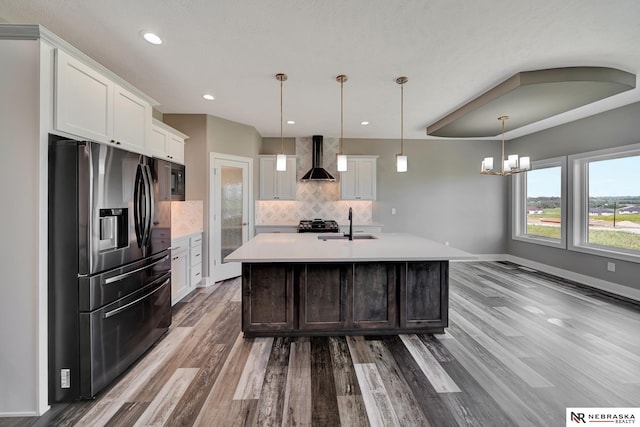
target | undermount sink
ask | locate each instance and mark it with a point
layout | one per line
(342, 237)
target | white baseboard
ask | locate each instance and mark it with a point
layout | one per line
(484, 257)
(604, 285)
(205, 282)
(18, 414)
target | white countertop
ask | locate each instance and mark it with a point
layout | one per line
(306, 247)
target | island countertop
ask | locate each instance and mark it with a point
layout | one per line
(308, 247)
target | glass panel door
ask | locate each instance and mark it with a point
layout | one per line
(230, 209)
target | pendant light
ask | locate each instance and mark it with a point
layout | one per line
(510, 165)
(281, 159)
(341, 159)
(401, 159)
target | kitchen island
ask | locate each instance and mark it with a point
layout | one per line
(320, 284)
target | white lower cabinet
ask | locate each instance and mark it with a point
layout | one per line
(179, 269)
(195, 260)
(186, 265)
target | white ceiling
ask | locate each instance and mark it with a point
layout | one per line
(451, 51)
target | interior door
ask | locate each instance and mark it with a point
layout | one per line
(231, 212)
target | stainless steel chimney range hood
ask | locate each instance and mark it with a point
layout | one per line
(317, 172)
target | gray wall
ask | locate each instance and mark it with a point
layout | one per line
(209, 134)
(272, 146)
(442, 196)
(21, 325)
(609, 129)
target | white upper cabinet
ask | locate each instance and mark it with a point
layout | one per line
(359, 181)
(276, 185)
(92, 106)
(131, 120)
(166, 143)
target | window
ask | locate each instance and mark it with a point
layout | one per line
(606, 202)
(539, 208)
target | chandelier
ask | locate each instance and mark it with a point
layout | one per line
(512, 164)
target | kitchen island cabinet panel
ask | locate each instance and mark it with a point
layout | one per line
(267, 297)
(374, 295)
(323, 295)
(368, 298)
(424, 294)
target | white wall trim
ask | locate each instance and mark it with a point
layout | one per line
(484, 257)
(19, 414)
(604, 285)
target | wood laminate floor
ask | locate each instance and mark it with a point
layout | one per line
(520, 348)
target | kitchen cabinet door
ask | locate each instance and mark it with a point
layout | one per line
(157, 142)
(267, 297)
(175, 149)
(83, 99)
(359, 180)
(276, 185)
(90, 105)
(166, 143)
(195, 261)
(424, 295)
(131, 120)
(179, 273)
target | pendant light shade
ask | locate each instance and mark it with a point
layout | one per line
(401, 163)
(341, 159)
(401, 159)
(281, 159)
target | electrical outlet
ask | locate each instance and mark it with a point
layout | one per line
(611, 266)
(393, 211)
(446, 243)
(65, 378)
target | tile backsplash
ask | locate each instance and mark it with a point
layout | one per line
(290, 212)
(186, 217)
(314, 199)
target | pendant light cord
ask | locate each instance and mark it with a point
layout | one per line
(341, 114)
(281, 138)
(401, 119)
(401, 81)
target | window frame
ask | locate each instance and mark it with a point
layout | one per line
(519, 205)
(579, 196)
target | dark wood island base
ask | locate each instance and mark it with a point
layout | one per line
(344, 298)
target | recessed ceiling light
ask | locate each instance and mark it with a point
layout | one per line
(291, 122)
(364, 123)
(208, 97)
(151, 37)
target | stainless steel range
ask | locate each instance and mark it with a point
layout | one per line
(318, 226)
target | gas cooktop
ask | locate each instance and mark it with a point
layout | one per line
(318, 226)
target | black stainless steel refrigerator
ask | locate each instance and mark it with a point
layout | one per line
(109, 293)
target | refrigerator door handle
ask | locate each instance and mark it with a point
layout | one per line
(150, 204)
(138, 213)
(132, 303)
(132, 272)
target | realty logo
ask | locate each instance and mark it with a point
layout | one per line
(602, 416)
(577, 417)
